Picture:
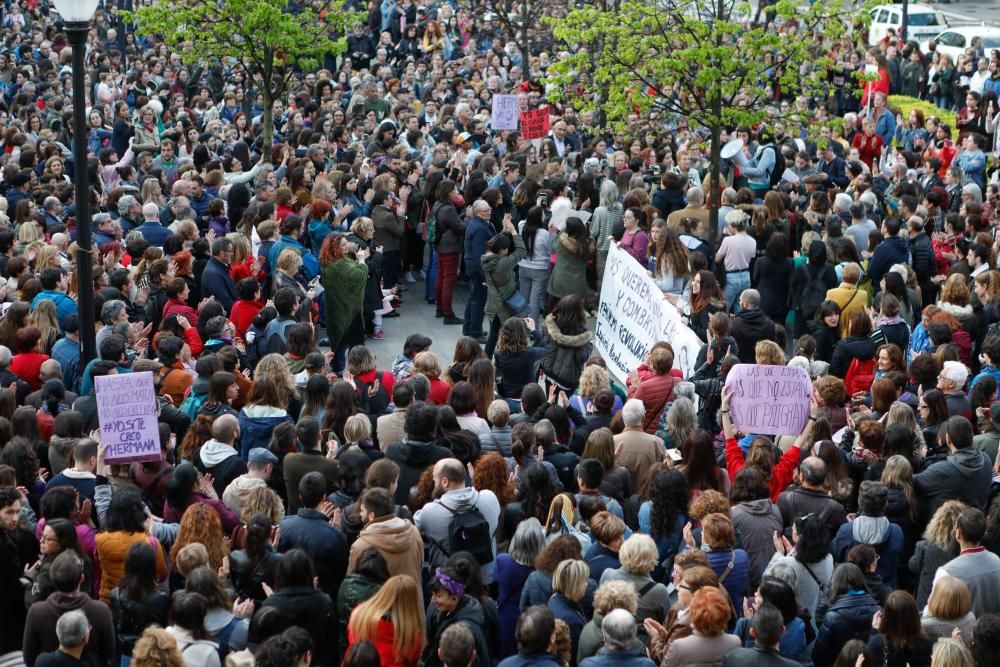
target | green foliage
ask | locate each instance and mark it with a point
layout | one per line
(697, 58)
(905, 105)
(262, 37)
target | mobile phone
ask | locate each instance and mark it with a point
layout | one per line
(545, 200)
(674, 454)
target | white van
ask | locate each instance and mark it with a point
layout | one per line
(923, 22)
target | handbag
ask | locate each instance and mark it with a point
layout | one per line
(516, 303)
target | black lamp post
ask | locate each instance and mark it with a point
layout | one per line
(77, 15)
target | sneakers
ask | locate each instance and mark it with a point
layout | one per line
(408, 277)
(378, 335)
(451, 319)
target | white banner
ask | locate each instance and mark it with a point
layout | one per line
(634, 314)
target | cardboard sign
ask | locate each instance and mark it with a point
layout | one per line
(769, 400)
(126, 411)
(634, 314)
(534, 124)
(506, 111)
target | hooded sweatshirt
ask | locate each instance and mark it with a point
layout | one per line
(756, 522)
(222, 461)
(40, 626)
(566, 354)
(397, 540)
(238, 491)
(964, 475)
(413, 457)
(877, 531)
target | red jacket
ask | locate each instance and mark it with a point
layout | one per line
(439, 392)
(26, 366)
(384, 640)
(654, 394)
(178, 307)
(243, 314)
(781, 476)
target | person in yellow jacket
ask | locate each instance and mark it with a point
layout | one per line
(849, 296)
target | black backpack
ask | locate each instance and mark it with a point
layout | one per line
(814, 293)
(779, 164)
(469, 531)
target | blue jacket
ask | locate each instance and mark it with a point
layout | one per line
(885, 127)
(600, 558)
(67, 353)
(310, 531)
(217, 281)
(893, 250)
(849, 617)
(521, 660)
(310, 265)
(200, 206)
(64, 305)
(256, 431)
(618, 657)
(987, 370)
(889, 550)
(667, 545)
(153, 232)
(476, 235)
(738, 580)
(572, 614)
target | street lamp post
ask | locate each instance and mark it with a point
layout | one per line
(77, 15)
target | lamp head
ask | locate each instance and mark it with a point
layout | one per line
(76, 11)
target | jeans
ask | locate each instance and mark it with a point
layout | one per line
(491, 342)
(445, 283)
(430, 273)
(735, 284)
(390, 268)
(475, 307)
(339, 361)
(534, 283)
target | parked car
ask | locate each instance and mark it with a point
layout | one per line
(923, 22)
(954, 41)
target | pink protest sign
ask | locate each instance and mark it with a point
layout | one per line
(126, 411)
(769, 400)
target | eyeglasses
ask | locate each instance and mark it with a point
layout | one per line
(685, 587)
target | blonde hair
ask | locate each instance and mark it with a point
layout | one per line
(363, 227)
(357, 428)
(769, 353)
(156, 648)
(399, 600)
(950, 653)
(263, 500)
(28, 233)
(274, 365)
(44, 317)
(638, 554)
(950, 599)
(427, 363)
(898, 474)
(593, 379)
(46, 254)
(616, 594)
(289, 261)
(570, 578)
(940, 529)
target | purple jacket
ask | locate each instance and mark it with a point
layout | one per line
(219, 225)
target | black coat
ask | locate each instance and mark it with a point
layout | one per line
(412, 458)
(849, 349)
(750, 326)
(772, 279)
(313, 611)
(308, 530)
(826, 339)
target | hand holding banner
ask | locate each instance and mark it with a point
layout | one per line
(769, 400)
(126, 412)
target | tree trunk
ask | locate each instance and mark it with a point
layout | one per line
(267, 74)
(524, 41)
(715, 179)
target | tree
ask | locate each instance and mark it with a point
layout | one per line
(268, 39)
(702, 60)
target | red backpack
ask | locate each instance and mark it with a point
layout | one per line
(860, 376)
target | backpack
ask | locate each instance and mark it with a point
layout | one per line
(468, 531)
(779, 164)
(192, 404)
(431, 229)
(814, 293)
(860, 375)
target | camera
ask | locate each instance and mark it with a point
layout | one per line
(655, 170)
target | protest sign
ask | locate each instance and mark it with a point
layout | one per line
(769, 400)
(126, 411)
(534, 124)
(506, 110)
(634, 314)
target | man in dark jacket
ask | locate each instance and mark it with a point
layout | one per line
(311, 531)
(218, 457)
(894, 249)
(151, 228)
(310, 459)
(40, 625)
(751, 325)
(535, 626)
(810, 497)
(418, 451)
(389, 231)
(834, 167)
(216, 280)
(965, 475)
(922, 258)
(619, 632)
(476, 235)
(12, 612)
(768, 625)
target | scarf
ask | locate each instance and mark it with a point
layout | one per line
(887, 321)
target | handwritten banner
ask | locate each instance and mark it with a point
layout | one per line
(633, 315)
(126, 410)
(506, 110)
(769, 400)
(534, 124)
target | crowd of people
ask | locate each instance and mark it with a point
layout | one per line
(508, 501)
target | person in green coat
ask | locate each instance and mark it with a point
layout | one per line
(344, 291)
(569, 274)
(498, 267)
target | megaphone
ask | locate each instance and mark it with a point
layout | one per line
(733, 150)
